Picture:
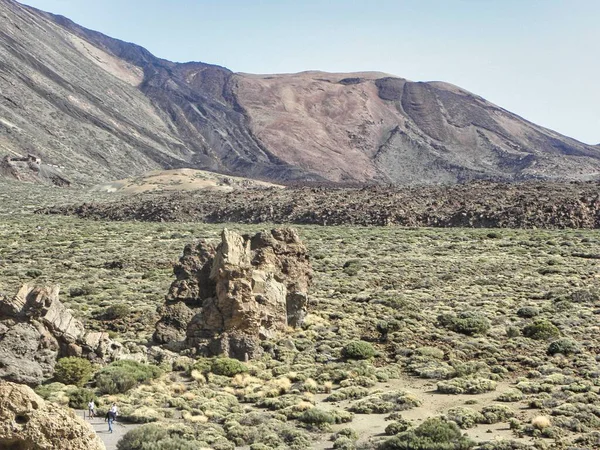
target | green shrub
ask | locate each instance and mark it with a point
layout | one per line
(80, 397)
(396, 427)
(345, 393)
(81, 291)
(385, 403)
(433, 434)
(528, 312)
(34, 273)
(358, 350)
(317, 417)
(585, 296)
(73, 370)
(120, 376)
(563, 346)
(349, 433)
(156, 437)
(464, 417)
(496, 413)
(466, 322)
(541, 330)
(511, 395)
(114, 312)
(466, 386)
(344, 443)
(228, 367)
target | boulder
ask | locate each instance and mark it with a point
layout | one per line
(36, 329)
(226, 299)
(27, 422)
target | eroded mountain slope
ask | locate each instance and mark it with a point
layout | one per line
(369, 125)
(102, 109)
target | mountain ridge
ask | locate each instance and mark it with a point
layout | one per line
(106, 109)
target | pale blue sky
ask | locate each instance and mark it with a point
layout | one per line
(537, 58)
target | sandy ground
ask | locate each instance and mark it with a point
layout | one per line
(372, 426)
(180, 180)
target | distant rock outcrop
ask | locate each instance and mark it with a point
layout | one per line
(36, 329)
(27, 422)
(31, 169)
(226, 299)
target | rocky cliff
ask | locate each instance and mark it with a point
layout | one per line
(106, 109)
(36, 329)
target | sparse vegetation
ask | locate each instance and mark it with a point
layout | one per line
(398, 283)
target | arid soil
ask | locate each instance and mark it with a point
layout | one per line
(477, 204)
(179, 180)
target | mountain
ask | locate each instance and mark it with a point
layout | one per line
(103, 109)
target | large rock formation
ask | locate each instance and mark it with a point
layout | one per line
(29, 423)
(226, 299)
(36, 329)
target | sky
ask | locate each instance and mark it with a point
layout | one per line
(537, 58)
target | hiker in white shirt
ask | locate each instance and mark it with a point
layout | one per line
(91, 409)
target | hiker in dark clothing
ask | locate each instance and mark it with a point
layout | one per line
(111, 417)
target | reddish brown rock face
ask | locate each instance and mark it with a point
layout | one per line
(226, 299)
(102, 109)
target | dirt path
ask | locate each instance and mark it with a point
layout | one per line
(101, 428)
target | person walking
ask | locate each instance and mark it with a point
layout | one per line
(111, 415)
(91, 409)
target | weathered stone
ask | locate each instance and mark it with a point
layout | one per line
(27, 422)
(36, 329)
(226, 299)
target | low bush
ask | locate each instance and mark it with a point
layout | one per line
(541, 330)
(467, 322)
(80, 397)
(358, 350)
(317, 417)
(563, 346)
(155, 437)
(344, 443)
(496, 413)
(120, 376)
(396, 427)
(228, 367)
(464, 417)
(528, 312)
(466, 386)
(511, 395)
(433, 434)
(34, 273)
(115, 312)
(385, 403)
(81, 291)
(351, 392)
(73, 370)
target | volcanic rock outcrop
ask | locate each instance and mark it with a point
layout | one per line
(228, 298)
(36, 329)
(27, 422)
